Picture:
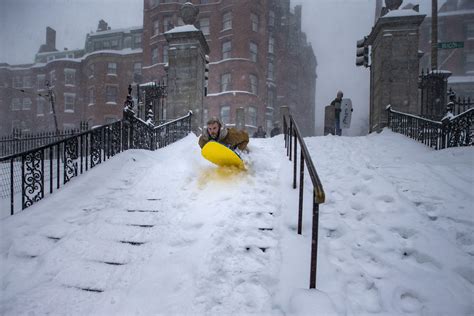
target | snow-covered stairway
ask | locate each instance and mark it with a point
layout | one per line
(150, 233)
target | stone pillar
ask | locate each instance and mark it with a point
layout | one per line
(394, 65)
(186, 73)
(240, 118)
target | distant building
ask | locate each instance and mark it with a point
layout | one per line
(89, 85)
(455, 24)
(259, 59)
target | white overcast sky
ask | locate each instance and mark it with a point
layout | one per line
(332, 27)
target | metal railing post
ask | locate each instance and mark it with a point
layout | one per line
(314, 243)
(300, 206)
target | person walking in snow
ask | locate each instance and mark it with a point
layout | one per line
(230, 137)
(260, 133)
(337, 112)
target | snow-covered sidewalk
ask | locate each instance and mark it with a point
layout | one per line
(166, 233)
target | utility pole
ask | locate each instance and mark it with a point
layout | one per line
(434, 34)
(51, 99)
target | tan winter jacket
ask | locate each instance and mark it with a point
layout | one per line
(232, 137)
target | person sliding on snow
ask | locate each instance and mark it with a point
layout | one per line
(230, 137)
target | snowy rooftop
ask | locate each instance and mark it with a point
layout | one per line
(121, 30)
(399, 13)
(182, 29)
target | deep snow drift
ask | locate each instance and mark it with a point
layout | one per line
(167, 233)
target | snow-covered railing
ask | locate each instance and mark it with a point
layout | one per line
(451, 131)
(292, 137)
(31, 175)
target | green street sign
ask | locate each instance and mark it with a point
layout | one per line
(451, 45)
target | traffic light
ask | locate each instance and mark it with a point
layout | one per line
(206, 75)
(362, 53)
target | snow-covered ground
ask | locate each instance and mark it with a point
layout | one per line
(165, 232)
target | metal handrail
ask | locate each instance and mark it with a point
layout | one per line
(292, 137)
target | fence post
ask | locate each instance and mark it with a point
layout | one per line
(314, 243)
(300, 206)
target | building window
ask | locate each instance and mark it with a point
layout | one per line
(227, 21)
(271, 45)
(470, 30)
(111, 68)
(137, 39)
(226, 82)
(91, 96)
(69, 99)
(156, 27)
(111, 94)
(114, 43)
(254, 20)
(253, 51)
(154, 56)
(271, 99)
(40, 102)
(253, 84)
(469, 62)
(137, 68)
(226, 49)
(27, 82)
(40, 82)
(91, 70)
(167, 23)
(225, 114)
(97, 45)
(271, 18)
(52, 77)
(165, 54)
(17, 82)
(16, 104)
(106, 44)
(154, 3)
(204, 25)
(271, 71)
(26, 104)
(70, 76)
(252, 116)
(49, 58)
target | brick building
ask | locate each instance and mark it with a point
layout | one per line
(455, 24)
(89, 84)
(259, 59)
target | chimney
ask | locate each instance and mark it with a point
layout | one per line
(103, 26)
(50, 39)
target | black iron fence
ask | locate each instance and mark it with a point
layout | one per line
(20, 141)
(292, 137)
(27, 177)
(451, 131)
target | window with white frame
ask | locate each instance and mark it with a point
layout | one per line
(271, 45)
(111, 94)
(69, 100)
(225, 114)
(91, 96)
(40, 105)
(165, 54)
(226, 49)
(52, 77)
(137, 68)
(26, 104)
(227, 21)
(154, 55)
(271, 99)
(470, 30)
(204, 25)
(226, 82)
(40, 82)
(271, 71)
(156, 27)
(16, 104)
(252, 116)
(111, 68)
(254, 20)
(167, 23)
(27, 82)
(91, 70)
(253, 51)
(253, 84)
(17, 82)
(271, 18)
(469, 62)
(69, 76)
